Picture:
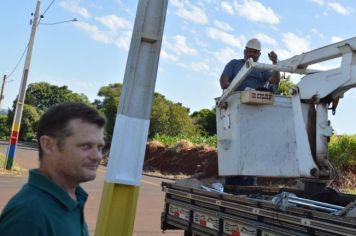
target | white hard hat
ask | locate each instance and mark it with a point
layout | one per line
(254, 43)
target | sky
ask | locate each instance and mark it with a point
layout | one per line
(200, 37)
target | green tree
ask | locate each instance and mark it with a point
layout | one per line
(4, 127)
(39, 97)
(166, 117)
(285, 85)
(205, 119)
(43, 95)
(108, 106)
(169, 118)
(180, 122)
(29, 122)
(159, 122)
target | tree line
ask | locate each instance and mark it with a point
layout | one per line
(167, 117)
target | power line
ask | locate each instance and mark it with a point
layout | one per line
(49, 6)
(60, 22)
(23, 53)
(18, 62)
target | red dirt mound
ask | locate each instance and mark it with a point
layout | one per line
(185, 159)
(346, 178)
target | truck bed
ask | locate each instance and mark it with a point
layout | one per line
(249, 211)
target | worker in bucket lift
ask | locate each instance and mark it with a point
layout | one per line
(257, 79)
(264, 80)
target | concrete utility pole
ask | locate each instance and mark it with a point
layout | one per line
(2, 89)
(124, 172)
(16, 123)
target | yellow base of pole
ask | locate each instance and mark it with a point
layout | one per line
(117, 210)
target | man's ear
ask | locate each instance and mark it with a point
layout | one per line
(48, 144)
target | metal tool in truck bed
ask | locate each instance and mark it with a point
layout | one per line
(260, 134)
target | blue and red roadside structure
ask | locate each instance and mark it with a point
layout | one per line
(11, 150)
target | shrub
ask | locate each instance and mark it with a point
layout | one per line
(342, 150)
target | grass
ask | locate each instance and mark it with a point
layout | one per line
(350, 191)
(16, 169)
(197, 140)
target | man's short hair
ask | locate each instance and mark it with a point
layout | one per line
(54, 122)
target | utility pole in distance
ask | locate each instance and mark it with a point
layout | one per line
(123, 177)
(2, 90)
(16, 123)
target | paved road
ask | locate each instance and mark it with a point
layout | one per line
(149, 208)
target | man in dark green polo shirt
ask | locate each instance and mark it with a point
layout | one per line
(71, 138)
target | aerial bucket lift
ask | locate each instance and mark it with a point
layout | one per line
(287, 136)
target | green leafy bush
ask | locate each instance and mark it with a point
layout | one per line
(342, 150)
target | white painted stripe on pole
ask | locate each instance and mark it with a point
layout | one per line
(127, 150)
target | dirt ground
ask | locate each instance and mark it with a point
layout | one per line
(201, 161)
(183, 159)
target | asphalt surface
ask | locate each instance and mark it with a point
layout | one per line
(149, 207)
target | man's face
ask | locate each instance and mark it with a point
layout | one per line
(79, 155)
(252, 53)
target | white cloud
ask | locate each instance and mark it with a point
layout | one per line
(335, 39)
(319, 2)
(256, 11)
(266, 39)
(190, 12)
(200, 66)
(200, 43)
(223, 25)
(337, 7)
(227, 7)
(94, 32)
(224, 37)
(296, 44)
(225, 54)
(177, 3)
(123, 40)
(196, 66)
(74, 7)
(168, 57)
(283, 54)
(180, 46)
(315, 31)
(114, 22)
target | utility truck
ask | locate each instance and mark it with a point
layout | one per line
(266, 135)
